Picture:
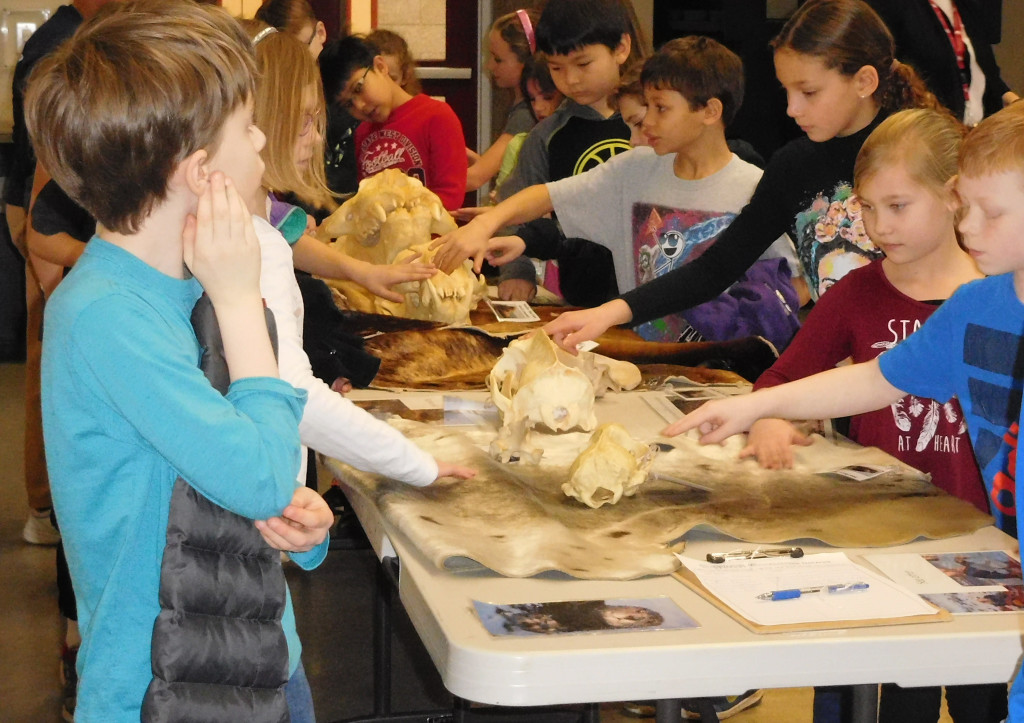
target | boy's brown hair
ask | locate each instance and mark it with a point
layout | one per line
(996, 145)
(139, 88)
(388, 42)
(699, 69)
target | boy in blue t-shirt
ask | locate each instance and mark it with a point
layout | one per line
(969, 348)
(166, 88)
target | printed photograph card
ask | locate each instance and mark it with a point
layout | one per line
(960, 582)
(512, 310)
(574, 617)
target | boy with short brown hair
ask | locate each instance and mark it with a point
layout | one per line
(145, 118)
(657, 208)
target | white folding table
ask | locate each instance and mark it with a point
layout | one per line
(721, 657)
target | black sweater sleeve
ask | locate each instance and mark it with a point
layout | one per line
(543, 238)
(761, 221)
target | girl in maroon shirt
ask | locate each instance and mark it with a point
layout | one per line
(902, 180)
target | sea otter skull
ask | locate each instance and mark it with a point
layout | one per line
(613, 466)
(537, 383)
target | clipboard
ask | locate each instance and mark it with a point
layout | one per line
(689, 579)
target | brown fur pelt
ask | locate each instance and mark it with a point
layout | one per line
(461, 359)
(434, 359)
(426, 355)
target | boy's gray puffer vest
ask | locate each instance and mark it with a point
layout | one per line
(219, 650)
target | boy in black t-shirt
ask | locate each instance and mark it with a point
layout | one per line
(586, 43)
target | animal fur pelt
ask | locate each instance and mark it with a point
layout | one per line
(401, 358)
(435, 358)
(515, 520)
(461, 359)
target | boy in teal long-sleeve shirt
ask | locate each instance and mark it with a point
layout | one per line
(145, 119)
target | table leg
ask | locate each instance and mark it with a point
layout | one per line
(669, 710)
(460, 709)
(865, 703)
(386, 585)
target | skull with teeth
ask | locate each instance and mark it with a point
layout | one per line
(536, 383)
(391, 217)
(613, 466)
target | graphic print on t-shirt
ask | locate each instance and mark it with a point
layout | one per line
(831, 240)
(388, 148)
(583, 143)
(598, 153)
(664, 239)
(1004, 484)
(923, 424)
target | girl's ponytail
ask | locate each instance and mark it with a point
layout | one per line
(903, 89)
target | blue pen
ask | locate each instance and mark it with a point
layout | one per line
(794, 593)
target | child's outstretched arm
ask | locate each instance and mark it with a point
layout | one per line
(503, 249)
(470, 241)
(307, 519)
(314, 257)
(574, 327)
(841, 392)
(222, 252)
(486, 165)
(51, 245)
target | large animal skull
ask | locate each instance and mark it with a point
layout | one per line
(613, 466)
(364, 215)
(391, 216)
(537, 383)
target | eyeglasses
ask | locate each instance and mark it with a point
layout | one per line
(307, 123)
(356, 90)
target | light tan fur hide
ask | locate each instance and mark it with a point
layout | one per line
(515, 520)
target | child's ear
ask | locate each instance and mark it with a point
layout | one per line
(621, 52)
(320, 31)
(952, 197)
(712, 111)
(865, 81)
(380, 65)
(195, 170)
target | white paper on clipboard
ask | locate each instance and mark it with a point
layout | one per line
(737, 583)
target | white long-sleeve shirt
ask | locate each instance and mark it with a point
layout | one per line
(331, 424)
